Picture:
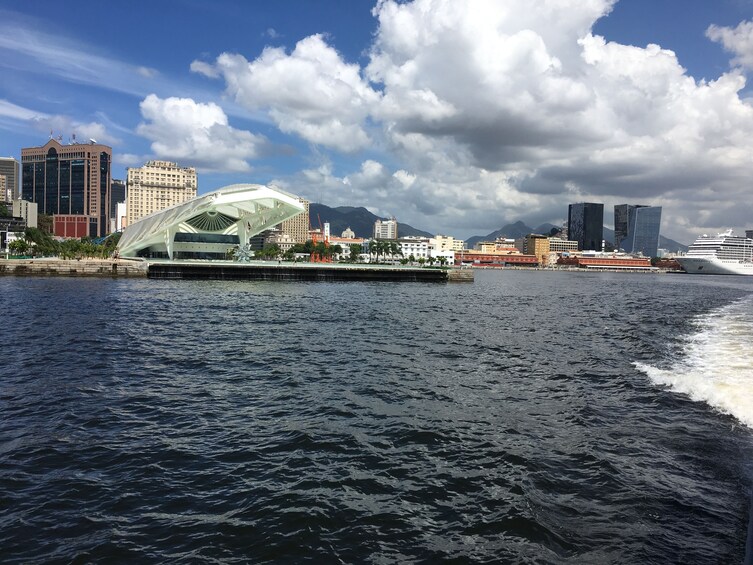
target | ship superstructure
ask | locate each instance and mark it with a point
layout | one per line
(723, 254)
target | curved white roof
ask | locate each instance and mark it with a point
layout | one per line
(242, 209)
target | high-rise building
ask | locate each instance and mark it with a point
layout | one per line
(117, 195)
(538, 245)
(71, 182)
(385, 229)
(298, 226)
(585, 224)
(636, 228)
(156, 186)
(10, 170)
(26, 210)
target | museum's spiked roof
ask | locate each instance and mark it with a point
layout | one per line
(242, 209)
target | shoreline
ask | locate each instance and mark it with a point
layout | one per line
(261, 270)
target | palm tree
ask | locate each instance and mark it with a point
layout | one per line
(395, 249)
(355, 251)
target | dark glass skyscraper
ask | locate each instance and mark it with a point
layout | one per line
(117, 195)
(636, 228)
(585, 224)
(70, 180)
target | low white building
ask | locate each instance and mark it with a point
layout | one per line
(414, 245)
(282, 240)
(447, 254)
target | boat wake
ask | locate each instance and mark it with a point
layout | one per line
(716, 365)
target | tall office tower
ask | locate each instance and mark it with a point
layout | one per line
(385, 229)
(117, 195)
(156, 186)
(585, 224)
(621, 223)
(71, 182)
(636, 228)
(10, 170)
(298, 226)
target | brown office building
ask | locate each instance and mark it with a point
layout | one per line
(70, 180)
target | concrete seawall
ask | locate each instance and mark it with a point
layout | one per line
(270, 270)
(73, 268)
(228, 270)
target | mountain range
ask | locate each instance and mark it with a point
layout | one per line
(361, 221)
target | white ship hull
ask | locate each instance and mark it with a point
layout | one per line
(715, 266)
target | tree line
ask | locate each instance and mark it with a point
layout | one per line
(39, 243)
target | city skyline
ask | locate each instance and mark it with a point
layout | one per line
(458, 121)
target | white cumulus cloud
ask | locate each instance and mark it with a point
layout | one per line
(196, 133)
(311, 92)
(738, 41)
(478, 112)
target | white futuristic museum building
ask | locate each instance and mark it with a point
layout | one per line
(210, 225)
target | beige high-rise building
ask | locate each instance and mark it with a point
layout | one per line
(538, 245)
(298, 226)
(156, 186)
(447, 243)
(10, 173)
(385, 229)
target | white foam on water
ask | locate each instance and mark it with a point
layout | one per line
(716, 366)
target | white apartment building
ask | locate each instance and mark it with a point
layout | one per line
(156, 186)
(385, 229)
(414, 245)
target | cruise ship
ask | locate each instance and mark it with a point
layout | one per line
(725, 254)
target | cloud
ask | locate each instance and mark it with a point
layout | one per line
(485, 112)
(197, 133)
(10, 110)
(58, 124)
(203, 68)
(311, 92)
(520, 109)
(738, 41)
(147, 72)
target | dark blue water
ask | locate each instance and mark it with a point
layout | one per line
(499, 422)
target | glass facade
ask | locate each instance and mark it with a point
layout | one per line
(117, 194)
(636, 228)
(71, 179)
(644, 230)
(621, 223)
(585, 224)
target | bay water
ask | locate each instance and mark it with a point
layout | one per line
(529, 417)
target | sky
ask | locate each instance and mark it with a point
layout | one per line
(455, 116)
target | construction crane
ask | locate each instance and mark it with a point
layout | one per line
(316, 256)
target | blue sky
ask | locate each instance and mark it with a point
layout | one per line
(456, 117)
